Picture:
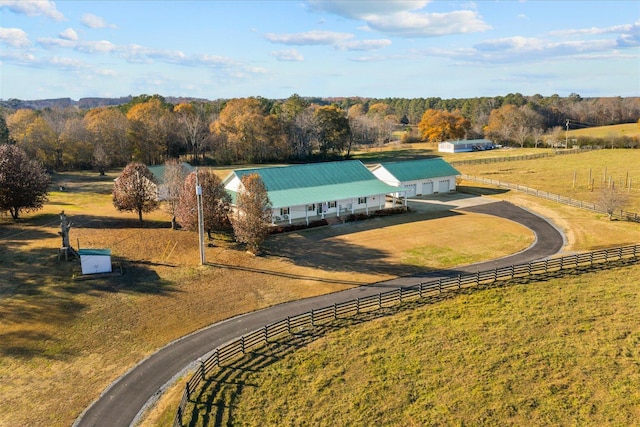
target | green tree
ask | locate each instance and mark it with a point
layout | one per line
(135, 190)
(252, 220)
(216, 202)
(333, 130)
(23, 181)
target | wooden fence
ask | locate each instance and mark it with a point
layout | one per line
(487, 160)
(620, 215)
(240, 346)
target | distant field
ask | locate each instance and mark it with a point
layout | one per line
(627, 129)
(556, 174)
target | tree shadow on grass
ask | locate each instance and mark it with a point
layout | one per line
(318, 248)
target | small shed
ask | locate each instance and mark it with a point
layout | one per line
(465, 146)
(93, 261)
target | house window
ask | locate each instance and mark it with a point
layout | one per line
(311, 207)
(362, 200)
(284, 211)
(332, 204)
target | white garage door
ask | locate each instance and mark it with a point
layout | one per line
(427, 187)
(443, 186)
(411, 190)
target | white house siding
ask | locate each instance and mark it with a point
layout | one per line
(321, 210)
(427, 188)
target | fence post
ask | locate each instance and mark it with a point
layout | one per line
(242, 343)
(203, 369)
(477, 278)
(266, 334)
(512, 271)
(495, 274)
(620, 253)
(358, 305)
(529, 269)
(379, 300)
(312, 320)
(546, 265)
(400, 294)
(187, 389)
(289, 324)
(179, 416)
(459, 281)
(420, 289)
(440, 285)
(591, 257)
(335, 312)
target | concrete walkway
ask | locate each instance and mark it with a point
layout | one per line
(121, 403)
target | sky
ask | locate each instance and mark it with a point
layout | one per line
(318, 48)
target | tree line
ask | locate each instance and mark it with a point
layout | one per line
(150, 130)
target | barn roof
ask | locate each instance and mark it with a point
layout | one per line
(412, 170)
(159, 170)
(309, 183)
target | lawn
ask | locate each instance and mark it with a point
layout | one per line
(62, 341)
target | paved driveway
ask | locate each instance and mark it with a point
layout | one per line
(120, 404)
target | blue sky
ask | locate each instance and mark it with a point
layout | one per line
(391, 48)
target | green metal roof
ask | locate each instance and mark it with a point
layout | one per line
(100, 252)
(412, 170)
(159, 170)
(317, 182)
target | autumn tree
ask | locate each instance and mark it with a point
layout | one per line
(193, 122)
(107, 129)
(148, 131)
(135, 190)
(23, 181)
(437, 126)
(252, 220)
(215, 202)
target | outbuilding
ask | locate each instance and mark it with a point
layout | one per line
(465, 146)
(93, 261)
(418, 177)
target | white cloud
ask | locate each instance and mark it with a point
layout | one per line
(405, 18)
(363, 45)
(288, 55)
(314, 37)
(92, 21)
(98, 46)
(68, 34)
(33, 8)
(340, 41)
(14, 37)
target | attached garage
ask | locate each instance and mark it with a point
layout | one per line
(418, 177)
(427, 187)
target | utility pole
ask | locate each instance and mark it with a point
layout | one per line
(200, 219)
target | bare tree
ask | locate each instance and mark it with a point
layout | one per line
(611, 200)
(174, 176)
(252, 221)
(215, 202)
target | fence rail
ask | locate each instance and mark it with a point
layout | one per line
(487, 160)
(620, 215)
(237, 348)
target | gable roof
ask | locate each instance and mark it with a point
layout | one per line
(159, 170)
(310, 183)
(412, 170)
(468, 141)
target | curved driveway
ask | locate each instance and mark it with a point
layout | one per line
(121, 403)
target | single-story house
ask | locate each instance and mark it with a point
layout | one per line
(312, 191)
(159, 173)
(418, 177)
(465, 146)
